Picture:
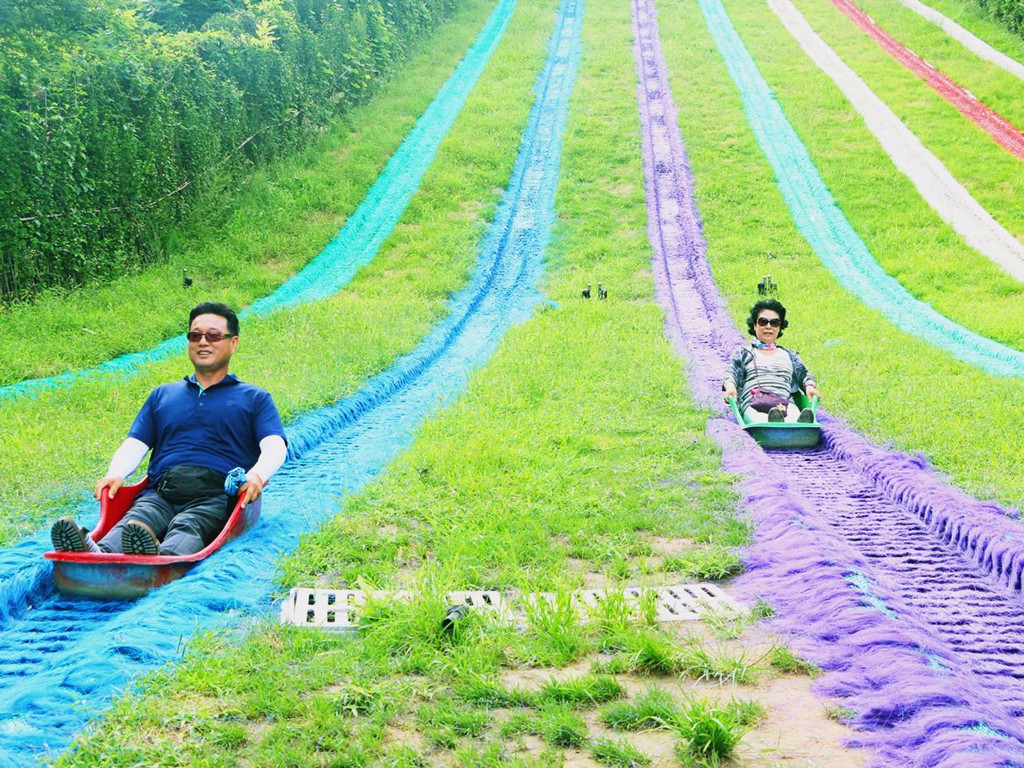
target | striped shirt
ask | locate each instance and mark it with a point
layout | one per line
(768, 373)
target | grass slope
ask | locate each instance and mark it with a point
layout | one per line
(991, 84)
(246, 238)
(570, 452)
(968, 15)
(891, 386)
(988, 171)
(576, 441)
(56, 444)
(907, 237)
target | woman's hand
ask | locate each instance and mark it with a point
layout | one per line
(812, 391)
(730, 391)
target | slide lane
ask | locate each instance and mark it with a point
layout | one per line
(947, 197)
(966, 38)
(1007, 135)
(364, 231)
(62, 659)
(823, 224)
(861, 552)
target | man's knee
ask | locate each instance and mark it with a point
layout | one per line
(197, 525)
(153, 510)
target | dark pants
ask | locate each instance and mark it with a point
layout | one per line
(181, 528)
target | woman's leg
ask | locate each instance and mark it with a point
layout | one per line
(753, 416)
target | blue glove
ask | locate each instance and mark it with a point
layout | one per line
(236, 479)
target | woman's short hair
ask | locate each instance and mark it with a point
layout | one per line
(761, 306)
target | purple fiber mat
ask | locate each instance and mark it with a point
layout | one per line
(905, 590)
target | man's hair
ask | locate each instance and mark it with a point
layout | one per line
(761, 306)
(216, 308)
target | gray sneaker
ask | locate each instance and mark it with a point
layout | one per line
(137, 538)
(778, 413)
(806, 416)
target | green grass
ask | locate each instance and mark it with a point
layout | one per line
(647, 651)
(839, 713)
(655, 709)
(698, 720)
(56, 445)
(903, 233)
(562, 727)
(783, 659)
(581, 691)
(651, 653)
(718, 663)
(992, 85)
(988, 171)
(710, 731)
(705, 563)
(555, 629)
(967, 14)
(576, 430)
(890, 386)
(444, 724)
(985, 80)
(618, 754)
(481, 691)
(247, 235)
(495, 755)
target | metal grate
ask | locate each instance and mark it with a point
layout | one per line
(339, 609)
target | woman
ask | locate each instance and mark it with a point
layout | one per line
(764, 376)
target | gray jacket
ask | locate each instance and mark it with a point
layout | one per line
(737, 373)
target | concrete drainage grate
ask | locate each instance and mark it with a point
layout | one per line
(683, 602)
(339, 609)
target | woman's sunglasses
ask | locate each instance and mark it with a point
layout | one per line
(774, 322)
(211, 336)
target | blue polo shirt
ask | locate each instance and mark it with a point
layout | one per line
(219, 427)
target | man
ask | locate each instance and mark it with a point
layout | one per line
(199, 429)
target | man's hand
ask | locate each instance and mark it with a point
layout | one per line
(812, 391)
(111, 482)
(730, 391)
(252, 489)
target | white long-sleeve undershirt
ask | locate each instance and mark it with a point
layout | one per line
(127, 458)
(273, 452)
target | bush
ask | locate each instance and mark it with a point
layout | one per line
(110, 124)
(1009, 13)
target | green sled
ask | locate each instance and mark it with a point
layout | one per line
(783, 434)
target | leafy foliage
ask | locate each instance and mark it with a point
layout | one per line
(114, 116)
(1009, 13)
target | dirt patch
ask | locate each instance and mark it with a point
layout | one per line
(532, 679)
(403, 734)
(795, 730)
(591, 579)
(663, 547)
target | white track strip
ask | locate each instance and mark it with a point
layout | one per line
(934, 182)
(968, 39)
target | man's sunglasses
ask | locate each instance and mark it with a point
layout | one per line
(764, 322)
(211, 336)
